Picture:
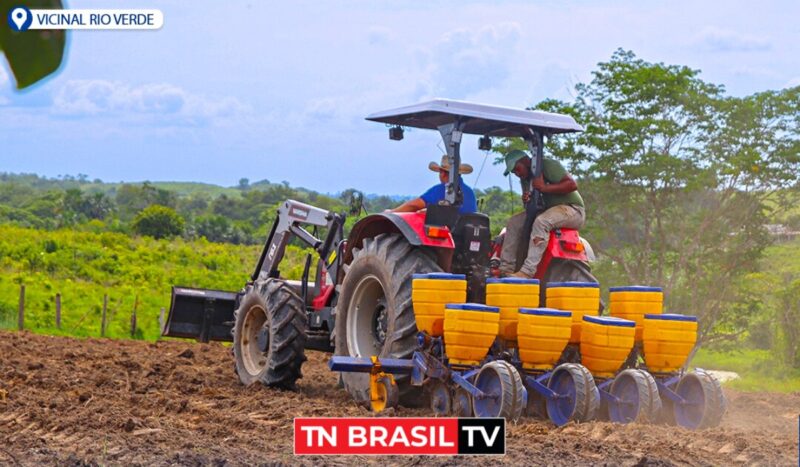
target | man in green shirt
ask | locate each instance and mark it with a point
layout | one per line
(563, 208)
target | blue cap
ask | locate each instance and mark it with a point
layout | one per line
(635, 288)
(511, 280)
(440, 276)
(545, 312)
(573, 284)
(610, 321)
(672, 317)
(472, 307)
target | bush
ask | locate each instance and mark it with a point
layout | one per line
(158, 222)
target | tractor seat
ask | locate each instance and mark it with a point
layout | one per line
(474, 218)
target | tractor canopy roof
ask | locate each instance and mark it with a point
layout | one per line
(481, 119)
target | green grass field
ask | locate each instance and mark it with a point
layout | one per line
(758, 370)
(83, 266)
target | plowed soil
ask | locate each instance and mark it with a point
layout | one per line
(108, 402)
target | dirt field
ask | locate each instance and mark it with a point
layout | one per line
(104, 402)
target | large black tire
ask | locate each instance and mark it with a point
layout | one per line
(374, 314)
(269, 335)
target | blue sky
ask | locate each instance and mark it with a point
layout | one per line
(279, 90)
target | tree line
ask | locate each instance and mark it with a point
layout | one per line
(238, 215)
(234, 216)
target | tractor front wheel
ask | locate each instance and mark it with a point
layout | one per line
(269, 335)
(374, 315)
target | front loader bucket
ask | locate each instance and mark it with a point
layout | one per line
(205, 315)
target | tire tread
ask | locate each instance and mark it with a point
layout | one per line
(288, 323)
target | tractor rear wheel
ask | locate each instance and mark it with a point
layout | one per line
(269, 335)
(374, 315)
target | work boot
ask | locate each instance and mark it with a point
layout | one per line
(521, 275)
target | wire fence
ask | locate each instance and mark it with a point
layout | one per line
(107, 315)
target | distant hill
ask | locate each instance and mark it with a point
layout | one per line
(181, 189)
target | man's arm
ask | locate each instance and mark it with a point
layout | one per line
(566, 185)
(432, 196)
(412, 205)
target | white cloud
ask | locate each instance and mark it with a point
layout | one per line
(467, 61)
(78, 98)
(460, 64)
(722, 40)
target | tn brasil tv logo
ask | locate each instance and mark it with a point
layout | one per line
(399, 436)
(21, 19)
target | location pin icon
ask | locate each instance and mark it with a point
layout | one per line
(19, 16)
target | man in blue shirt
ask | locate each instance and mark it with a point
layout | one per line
(436, 193)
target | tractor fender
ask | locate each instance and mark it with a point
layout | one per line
(409, 224)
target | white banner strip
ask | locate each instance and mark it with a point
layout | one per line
(96, 19)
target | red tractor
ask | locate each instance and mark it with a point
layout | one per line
(360, 303)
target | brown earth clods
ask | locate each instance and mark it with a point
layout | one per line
(109, 402)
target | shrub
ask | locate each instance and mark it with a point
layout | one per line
(158, 222)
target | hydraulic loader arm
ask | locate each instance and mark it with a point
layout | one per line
(208, 315)
(291, 215)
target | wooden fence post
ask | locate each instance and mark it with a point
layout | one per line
(21, 315)
(58, 311)
(103, 322)
(133, 316)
